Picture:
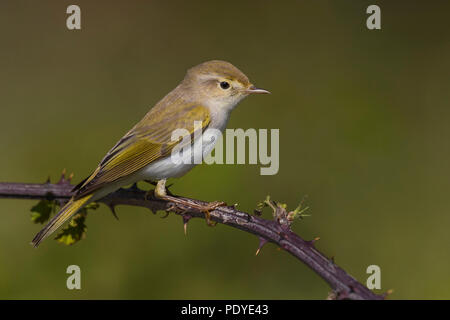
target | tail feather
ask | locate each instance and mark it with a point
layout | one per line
(65, 213)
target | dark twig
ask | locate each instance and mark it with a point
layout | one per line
(277, 231)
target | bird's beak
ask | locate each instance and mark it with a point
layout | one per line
(253, 89)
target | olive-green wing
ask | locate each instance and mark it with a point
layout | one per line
(147, 142)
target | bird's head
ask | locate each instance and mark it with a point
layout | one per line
(219, 83)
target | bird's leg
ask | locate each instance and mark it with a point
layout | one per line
(161, 193)
(154, 183)
(160, 189)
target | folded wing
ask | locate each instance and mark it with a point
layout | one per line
(148, 141)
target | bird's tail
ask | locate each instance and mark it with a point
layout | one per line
(65, 213)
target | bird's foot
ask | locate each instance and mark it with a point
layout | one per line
(160, 192)
(161, 186)
(210, 207)
(160, 189)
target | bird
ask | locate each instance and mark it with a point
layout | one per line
(206, 96)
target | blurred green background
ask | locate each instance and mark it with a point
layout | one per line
(363, 118)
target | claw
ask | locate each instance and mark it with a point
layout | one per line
(210, 207)
(208, 219)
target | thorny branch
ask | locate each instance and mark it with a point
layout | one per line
(277, 231)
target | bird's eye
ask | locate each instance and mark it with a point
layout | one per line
(224, 85)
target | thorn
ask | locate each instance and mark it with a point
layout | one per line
(113, 211)
(70, 177)
(153, 183)
(168, 191)
(148, 194)
(165, 215)
(63, 180)
(387, 293)
(186, 219)
(133, 187)
(48, 180)
(342, 295)
(331, 295)
(313, 241)
(262, 242)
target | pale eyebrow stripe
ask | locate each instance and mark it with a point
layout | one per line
(216, 77)
(207, 77)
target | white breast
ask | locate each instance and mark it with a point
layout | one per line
(167, 168)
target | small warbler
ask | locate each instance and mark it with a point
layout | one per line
(207, 94)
